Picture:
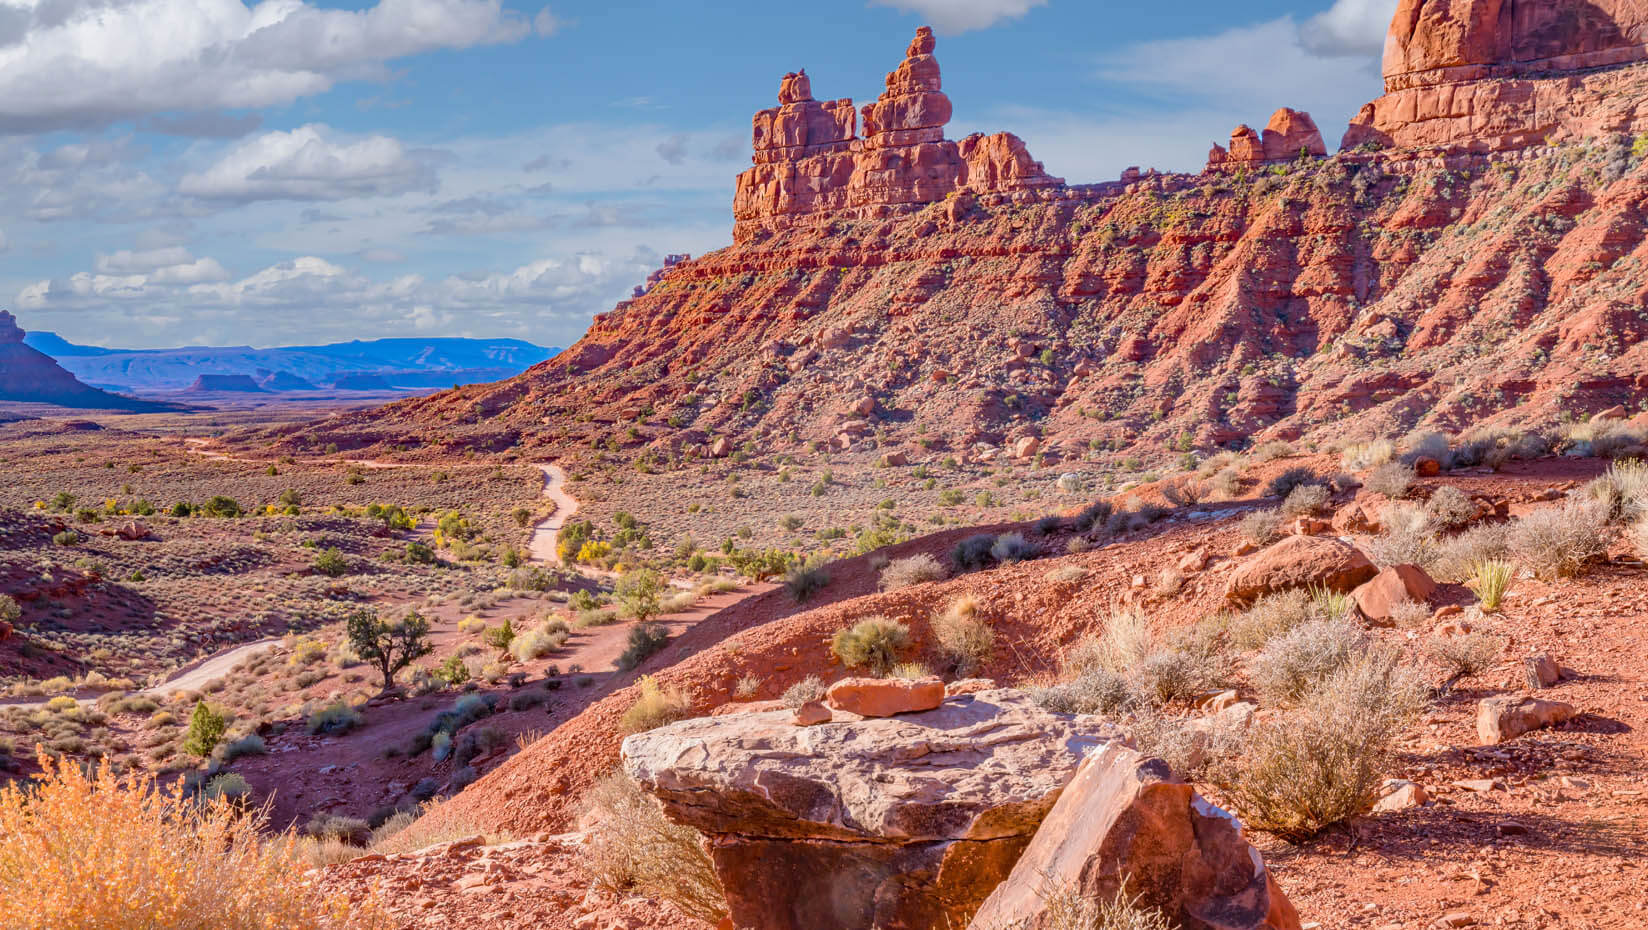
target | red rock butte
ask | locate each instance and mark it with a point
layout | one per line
(810, 159)
(1492, 75)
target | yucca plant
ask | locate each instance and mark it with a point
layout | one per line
(1490, 580)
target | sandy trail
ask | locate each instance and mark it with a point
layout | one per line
(542, 547)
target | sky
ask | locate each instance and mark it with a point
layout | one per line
(208, 172)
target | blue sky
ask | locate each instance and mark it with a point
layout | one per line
(209, 172)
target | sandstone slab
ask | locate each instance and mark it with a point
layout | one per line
(884, 697)
(1125, 819)
(898, 822)
(1507, 716)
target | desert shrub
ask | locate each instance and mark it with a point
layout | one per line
(1186, 492)
(1457, 556)
(220, 506)
(1321, 764)
(85, 848)
(1270, 617)
(534, 644)
(1623, 488)
(331, 563)
(249, 745)
(962, 638)
(1364, 455)
(1166, 675)
(1094, 514)
(1295, 663)
(1093, 690)
(67, 538)
(206, 729)
(1407, 537)
(228, 786)
(476, 742)
(1392, 479)
(913, 570)
(1284, 484)
(1604, 439)
(1427, 444)
(633, 849)
(471, 624)
(805, 579)
(1260, 527)
(1464, 656)
(1489, 580)
(389, 645)
(1559, 542)
(873, 643)
(336, 717)
(639, 592)
(972, 553)
(807, 689)
(1271, 451)
(645, 639)
(351, 830)
(1305, 500)
(1450, 508)
(10, 612)
(1639, 535)
(654, 707)
(531, 578)
(1012, 547)
(499, 637)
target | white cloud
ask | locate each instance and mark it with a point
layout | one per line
(953, 16)
(309, 163)
(129, 262)
(1350, 27)
(77, 63)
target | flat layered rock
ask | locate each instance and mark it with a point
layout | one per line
(903, 821)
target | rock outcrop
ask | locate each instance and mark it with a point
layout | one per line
(808, 157)
(897, 822)
(30, 376)
(1290, 135)
(226, 384)
(1491, 75)
(1124, 821)
(1299, 562)
(1507, 716)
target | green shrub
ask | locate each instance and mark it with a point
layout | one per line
(537, 643)
(1012, 547)
(229, 785)
(873, 643)
(806, 579)
(499, 637)
(331, 563)
(1285, 483)
(249, 745)
(206, 729)
(972, 553)
(10, 611)
(391, 646)
(220, 506)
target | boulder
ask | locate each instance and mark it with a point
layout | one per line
(897, 822)
(864, 406)
(1427, 467)
(1399, 794)
(1378, 597)
(1542, 671)
(5, 631)
(1026, 448)
(1125, 819)
(812, 713)
(1616, 412)
(884, 697)
(1359, 516)
(721, 447)
(895, 459)
(1298, 562)
(1507, 716)
(133, 530)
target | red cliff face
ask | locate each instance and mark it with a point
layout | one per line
(903, 292)
(1491, 75)
(809, 159)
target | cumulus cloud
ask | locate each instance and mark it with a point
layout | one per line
(83, 63)
(311, 163)
(954, 16)
(1349, 27)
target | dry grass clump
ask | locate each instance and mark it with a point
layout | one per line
(807, 689)
(1294, 664)
(1489, 580)
(633, 849)
(539, 642)
(1457, 557)
(655, 707)
(1393, 479)
(962, 638)
(1127, 666)
(1559, 542)
(1408, 538)
(1623, 488)
(873, 643)
(1063, 907)
(1450, 508)
(1305, 500)
(1261, 527)
(1465, 656)
(1610, 439)
(1321, 764)
(914, 570)
(95, 851)
(1364, 455)
(1276, 614)
(1285, 483)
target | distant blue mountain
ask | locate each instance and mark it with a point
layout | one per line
(408, 364)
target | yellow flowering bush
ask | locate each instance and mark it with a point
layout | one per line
(98, 851)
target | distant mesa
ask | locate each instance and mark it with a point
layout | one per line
(362, 382)
(30, 376)
(285, 381)
(226, 384)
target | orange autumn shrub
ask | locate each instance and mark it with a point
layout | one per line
(94, 850)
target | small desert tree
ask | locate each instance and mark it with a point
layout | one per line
(641, 592)
(391, 646)
(206, 729)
